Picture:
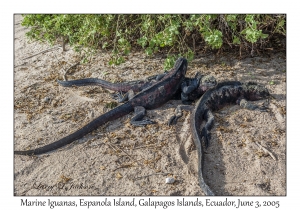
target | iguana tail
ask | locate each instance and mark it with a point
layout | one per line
(126, 86)
(101, 120)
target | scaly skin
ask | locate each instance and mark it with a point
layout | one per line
(136, 86)
(130, 87)
(191, 88)
(150, 98)
(223, 94)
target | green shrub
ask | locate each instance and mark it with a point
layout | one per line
(176, 35)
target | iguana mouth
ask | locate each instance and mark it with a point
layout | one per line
(207, 82)
(206, 87)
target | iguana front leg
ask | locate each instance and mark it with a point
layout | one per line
(208, 117)
(246, 105)
(137, 119)
(188, 86)
(178, 113)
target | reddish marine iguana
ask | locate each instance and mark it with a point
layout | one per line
(149, 98)
(191, 88)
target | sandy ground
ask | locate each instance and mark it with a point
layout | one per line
(119, 159)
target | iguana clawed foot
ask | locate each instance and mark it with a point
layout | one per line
(120, 97)
(173, 120)
(247, 105)
(136, 120)
(178, 113)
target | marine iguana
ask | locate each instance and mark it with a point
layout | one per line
(191, 88)
(150, 98)
(223, 94)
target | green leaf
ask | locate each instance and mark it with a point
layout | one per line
(142, 41)
(169, 62)
(120, 60)
(251, 34)
(122, 41)
(126, 51)
(152, 43)
(214, 39)
(281, 23)
(149, 51)
(189, 55)
(104, 45)
(250, 19)
(236, 40)
(263, 36)
(231, 17)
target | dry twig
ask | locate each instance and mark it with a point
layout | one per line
(265, 150)
(141, 177)
(47, 50)
(109, 144)
(64, 76)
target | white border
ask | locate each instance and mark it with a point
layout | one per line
(8, 201)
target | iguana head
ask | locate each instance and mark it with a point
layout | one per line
(181, 62)
(207, 82)
(253, 91)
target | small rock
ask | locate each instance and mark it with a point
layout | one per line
(115, 141)
(170, 180)
(46, 100)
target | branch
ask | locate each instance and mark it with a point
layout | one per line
(141, 177)
(64, 76)
(265, 150)
(47, 50)
(115, 40)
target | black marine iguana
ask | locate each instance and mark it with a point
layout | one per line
(190, 90)
(150, 98)
(223, 94)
